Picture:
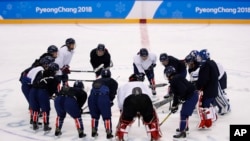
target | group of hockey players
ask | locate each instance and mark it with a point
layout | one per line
(47, 78)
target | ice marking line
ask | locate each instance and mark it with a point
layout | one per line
(144, 35)
(20, 135)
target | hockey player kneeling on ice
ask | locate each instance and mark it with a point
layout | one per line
(100, 101)
(134, 101)
(185, 94)
(70, 100)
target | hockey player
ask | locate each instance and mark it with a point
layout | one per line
(193, 65)
(70, 100)
(207, 84)
(100, 56)
(65, 55)
(179, 65)
(44, 85)
(134, 101)
(185, 94)
(27, 81)
(51, 51)
(221, 101)
(144, 62)
(100, 101)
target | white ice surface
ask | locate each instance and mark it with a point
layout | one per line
(21, 44)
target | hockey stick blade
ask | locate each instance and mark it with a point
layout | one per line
(81, 80)
(90, 71)
(158, 85)
(162, 102)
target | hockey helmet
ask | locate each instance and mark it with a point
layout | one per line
(101, 47)
(137, 77)
(136, 91)
(78, 84)
(106, 73)
(46, 60)
(143, 52)
(53, 67)
(69, 41)
(169, 71)
(52, 49)
(203, 56)
(163, 57)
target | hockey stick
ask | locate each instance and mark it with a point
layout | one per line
(82, 71)
(158, 85)
(95, 70)
(165, 118)
(162, 102)
(88, 112)
(99, 67)
(81, 80)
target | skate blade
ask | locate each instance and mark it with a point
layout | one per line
(46, 132)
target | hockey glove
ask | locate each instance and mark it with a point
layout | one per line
(174, 109)
(151, 66)
(65, 69)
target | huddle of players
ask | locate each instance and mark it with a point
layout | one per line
(40, 83)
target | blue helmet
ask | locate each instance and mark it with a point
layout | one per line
(169, 71)
(46, 60)
(163, 57)
(53, 66)
(106, 73)
(143, 52)
(78, 84)
(52, 49)
(192, 56)
(204, 55)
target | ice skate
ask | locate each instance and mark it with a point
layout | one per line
(81, 133)
(186, 130)
(94, 133)
(58, 132)
(46, 129)
(35, 126)
(181, 136)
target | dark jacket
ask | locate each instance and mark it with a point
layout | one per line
(46, 80)
(181, 88)
(98, 60)
(179, 65)
(110, 83)
(208, 79)
(78, 94)
(37, 61)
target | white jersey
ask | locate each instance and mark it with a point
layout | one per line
(33, 72)
(64, 58)
(143, 65)
(221, 70)
(126, 90)
(194, 75)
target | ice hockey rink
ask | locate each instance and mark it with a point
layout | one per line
(22, 44)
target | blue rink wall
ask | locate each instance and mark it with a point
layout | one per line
(125, 11)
